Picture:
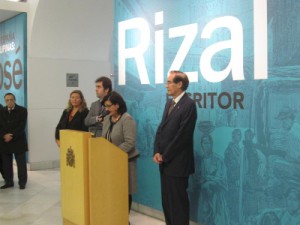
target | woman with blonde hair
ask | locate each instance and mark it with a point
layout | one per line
(73, 116)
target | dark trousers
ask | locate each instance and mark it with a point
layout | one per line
(175, 199)
(129, 202)
(1, 166)
(7, 160)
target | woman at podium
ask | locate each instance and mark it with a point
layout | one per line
(119, 128)
(73, 116)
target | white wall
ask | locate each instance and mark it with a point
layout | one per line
(67, 36)
(14, 7)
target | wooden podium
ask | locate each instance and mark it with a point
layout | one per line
(94, 180)
(108, 183)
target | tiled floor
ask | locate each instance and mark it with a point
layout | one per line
(39, 203)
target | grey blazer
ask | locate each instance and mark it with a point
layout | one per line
(123, 135)
(90, 120)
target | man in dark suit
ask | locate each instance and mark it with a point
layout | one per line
(1, 169)
(173, 149)
(97, 112)
(13, 141)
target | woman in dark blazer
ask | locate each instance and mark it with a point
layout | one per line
(120, 129)
(73, 116)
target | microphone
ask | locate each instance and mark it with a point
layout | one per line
(102, 115)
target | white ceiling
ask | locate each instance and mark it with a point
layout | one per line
(6, 14)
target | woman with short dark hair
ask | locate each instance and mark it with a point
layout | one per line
(120, 129)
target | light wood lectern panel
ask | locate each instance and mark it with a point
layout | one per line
(108, 183)
(94, 180)
(74, 177)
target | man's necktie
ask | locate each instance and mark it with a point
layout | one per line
(171, 107)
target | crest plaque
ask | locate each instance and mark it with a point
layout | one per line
(70, 157)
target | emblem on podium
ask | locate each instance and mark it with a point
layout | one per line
(70, 157)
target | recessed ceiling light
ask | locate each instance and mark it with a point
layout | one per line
(17, 0)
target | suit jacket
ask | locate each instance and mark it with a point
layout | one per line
(96, 110)
(123, 134)
(14, 123)
(174, 138)
(77, 123)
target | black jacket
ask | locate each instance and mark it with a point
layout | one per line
(174, 138)
(14, 123)
(77, 123)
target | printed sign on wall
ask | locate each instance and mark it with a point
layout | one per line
(13, 60)
(243, 62)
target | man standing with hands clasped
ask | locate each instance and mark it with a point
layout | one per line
(173, 149)
(13, 120)
(1, 167)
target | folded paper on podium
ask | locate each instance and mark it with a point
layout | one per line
(94, 180)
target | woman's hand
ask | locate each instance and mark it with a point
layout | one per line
(57, 142)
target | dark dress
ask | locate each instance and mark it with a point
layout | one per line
(77, 122)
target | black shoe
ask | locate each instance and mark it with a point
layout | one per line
(6, 186)
(22, 186)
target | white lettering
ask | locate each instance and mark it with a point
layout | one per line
(235, 44)
(136, 52)
(189, 32)
(260, 39)
(7, 47)
(159, 49)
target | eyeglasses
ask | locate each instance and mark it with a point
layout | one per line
(108, 106)
(170, 82)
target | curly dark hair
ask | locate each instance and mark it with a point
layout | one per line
(115, 98)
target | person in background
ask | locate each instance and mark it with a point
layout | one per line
(120, 129)
(233, 162)
(213, 183)
(1, 168)
(97, 112)
(13, 142)
(174, 149)
(73, 116)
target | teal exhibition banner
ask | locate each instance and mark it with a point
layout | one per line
(13, 60)
(243, 62)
